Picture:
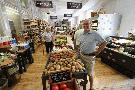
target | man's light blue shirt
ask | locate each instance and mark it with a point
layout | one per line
(88, 41)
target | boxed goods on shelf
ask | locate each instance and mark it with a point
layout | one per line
(6, 41)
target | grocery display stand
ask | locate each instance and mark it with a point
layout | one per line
(13, 63)
(67, 50)
(77, 75)
(9, 69)
(24, 57)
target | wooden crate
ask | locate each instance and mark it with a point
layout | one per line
(72, 84)
(68, 80)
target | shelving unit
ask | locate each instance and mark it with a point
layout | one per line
(27, 24)
(43, 24)
(94, 16)
(35, 25)
(94, 24)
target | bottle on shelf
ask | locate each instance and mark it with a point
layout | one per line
(13, 41)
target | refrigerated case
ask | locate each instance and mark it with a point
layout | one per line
(120, 55)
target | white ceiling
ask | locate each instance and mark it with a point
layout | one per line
(60, 7)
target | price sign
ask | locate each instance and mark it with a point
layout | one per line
(74, 5)
(67, 15)
(60, 76)
(53, 17)
(44, 4)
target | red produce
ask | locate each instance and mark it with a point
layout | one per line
(55, 87)
(67, 89)
(63, 85)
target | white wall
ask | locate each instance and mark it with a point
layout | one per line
(108, 24)
(4, 29)
(81, 17)
(127, 9)
(72, 20)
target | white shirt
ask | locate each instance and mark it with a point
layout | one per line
(48, 36)
(77, 35)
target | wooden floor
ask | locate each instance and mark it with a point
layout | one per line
(31, 80)
(105, 77)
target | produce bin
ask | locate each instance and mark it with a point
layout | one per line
(54, 65)
(70, 84)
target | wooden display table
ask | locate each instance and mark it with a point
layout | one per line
(77, 75)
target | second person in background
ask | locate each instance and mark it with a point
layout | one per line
(49, 38)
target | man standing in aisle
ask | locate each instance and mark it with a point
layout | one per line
(88, 42)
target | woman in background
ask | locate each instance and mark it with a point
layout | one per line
(48, 40)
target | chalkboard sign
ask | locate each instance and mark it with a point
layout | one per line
(74, 5)
(67, 15)
(44, 4)
(53, 17)
(60, 76)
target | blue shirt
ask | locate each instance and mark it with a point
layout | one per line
(88, 41)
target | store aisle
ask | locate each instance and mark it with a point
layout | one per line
(105, 77)
(31, 80)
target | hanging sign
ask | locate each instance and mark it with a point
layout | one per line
(74, 5)
(44, 4)
(53, 17)
(67, 15)
(65, 19)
